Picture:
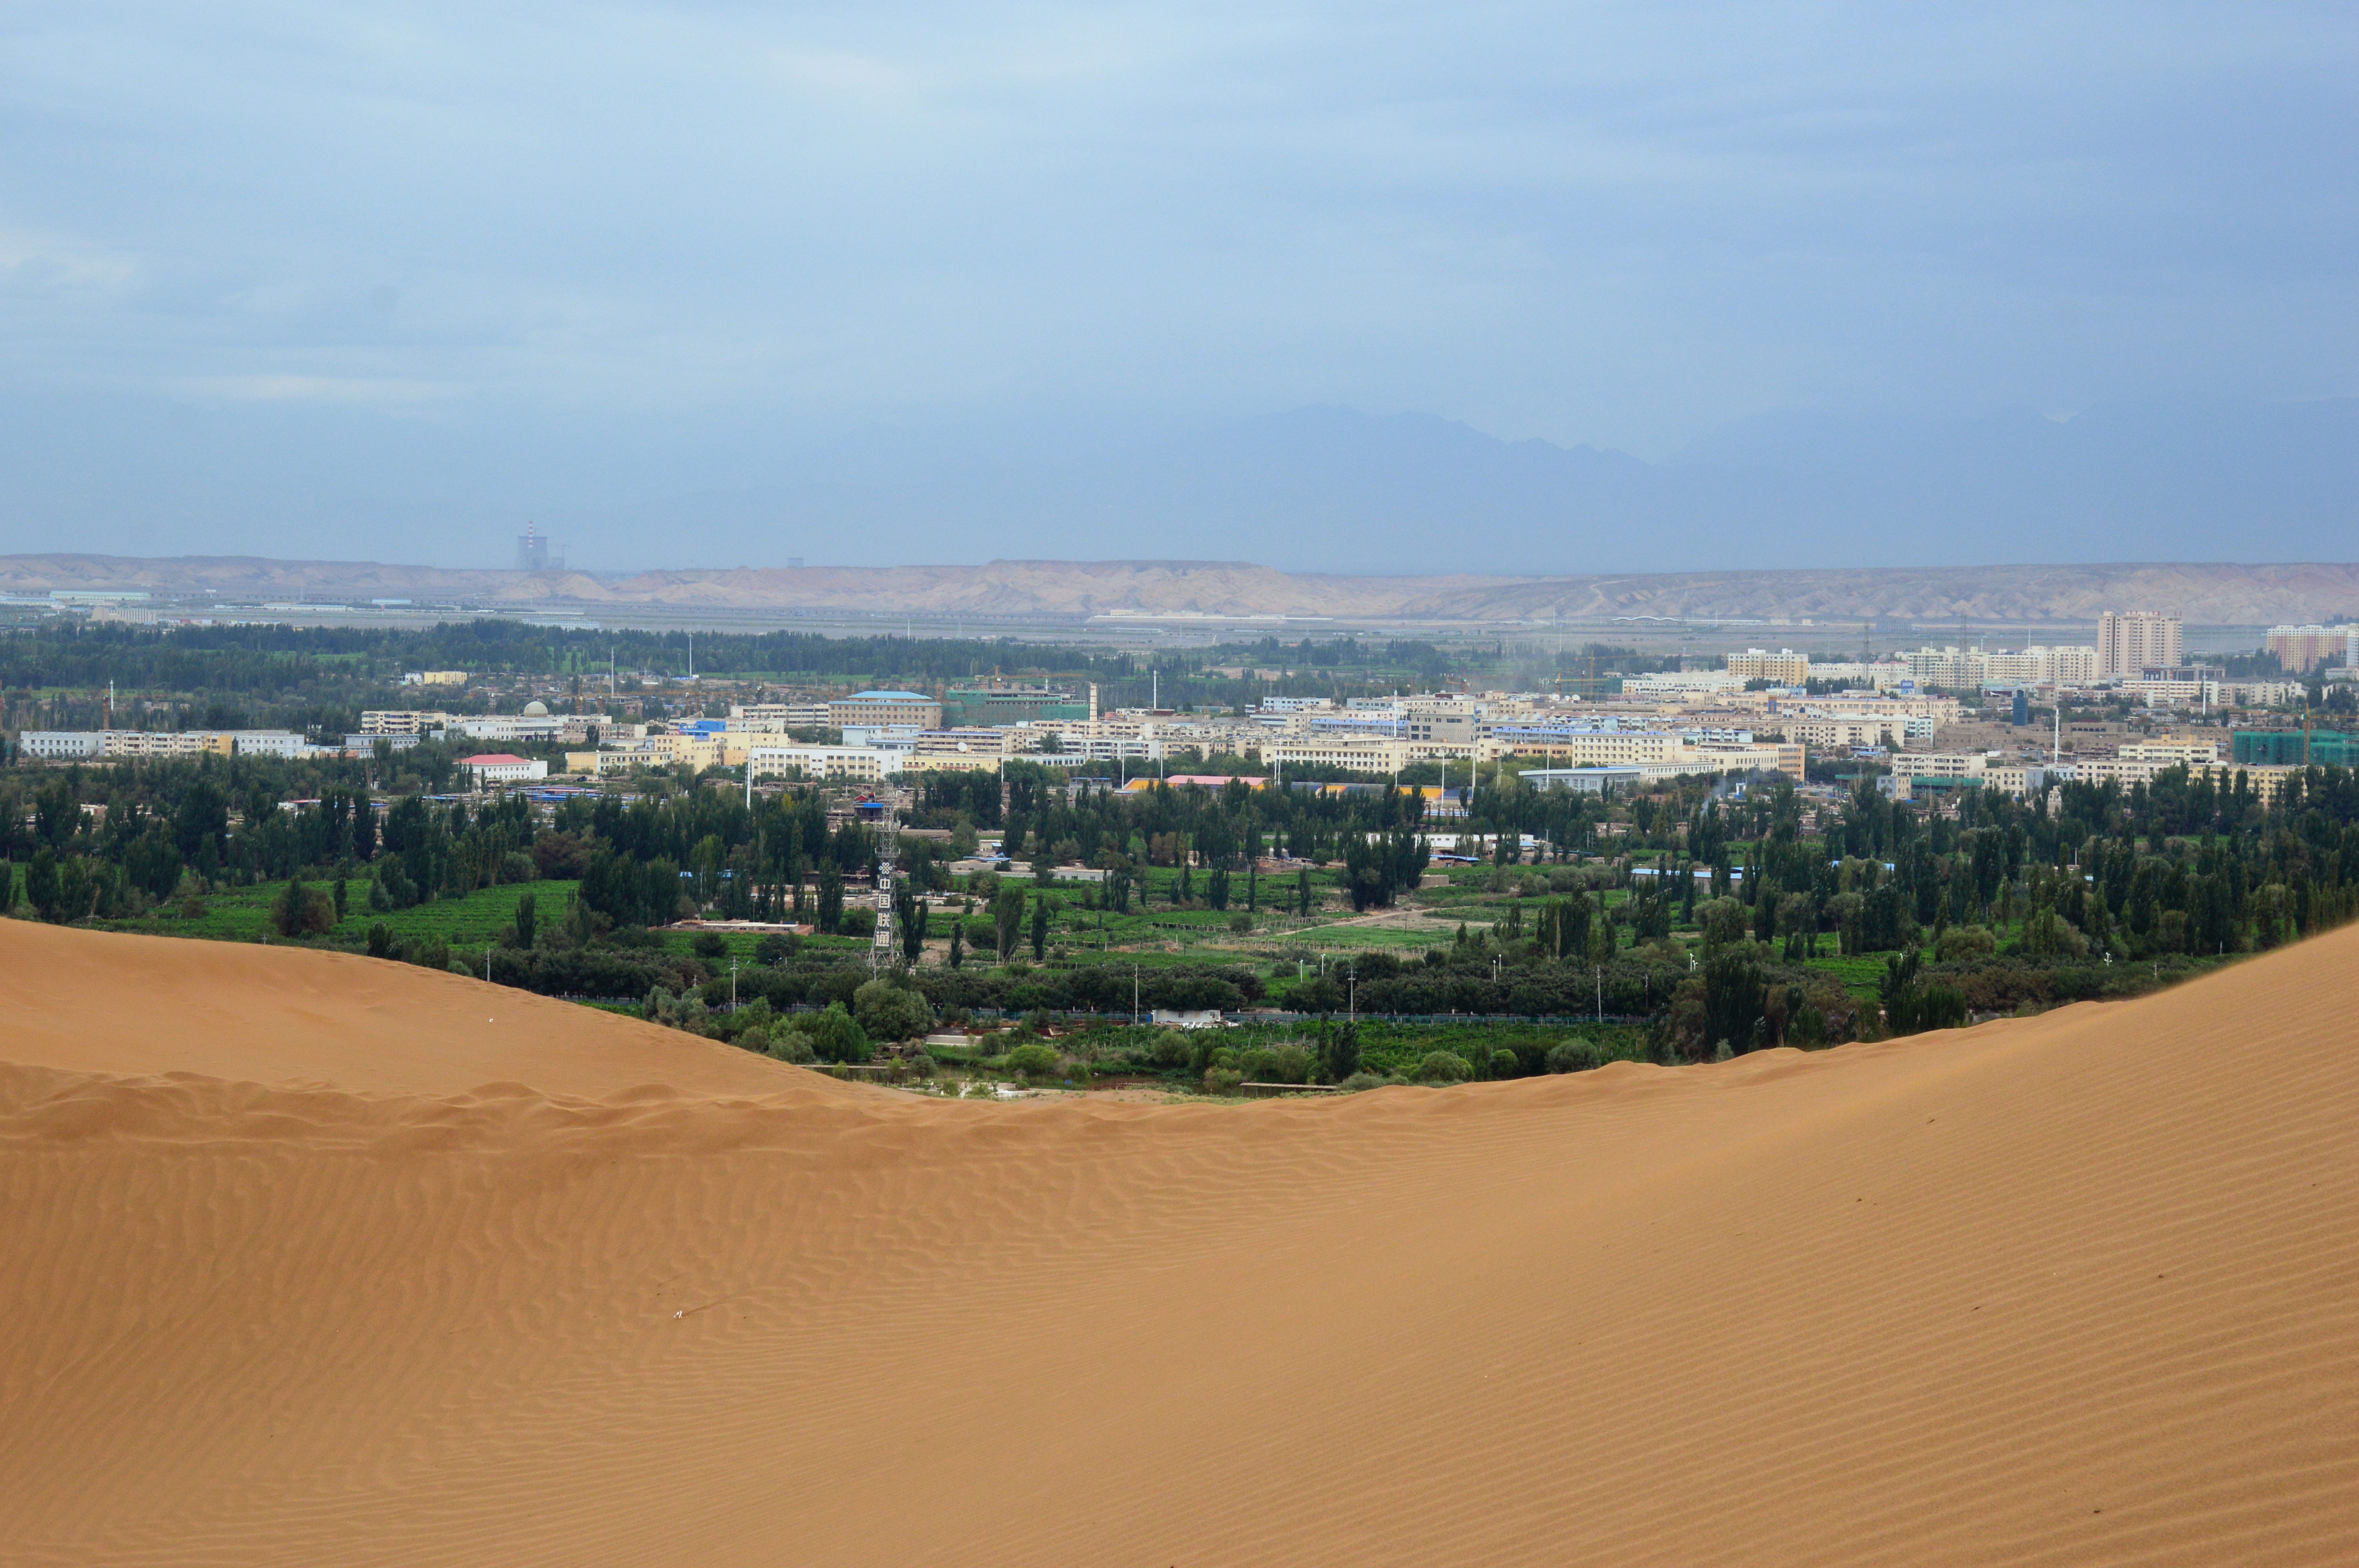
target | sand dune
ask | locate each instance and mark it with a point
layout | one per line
(306, 1264)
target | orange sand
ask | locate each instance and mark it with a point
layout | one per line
(312, 1259)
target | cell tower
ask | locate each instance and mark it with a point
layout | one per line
(880, 949)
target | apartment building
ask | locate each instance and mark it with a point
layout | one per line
(2128, 642)
(1784, 667)
(2304, 648)
(2041, 666)
(1836, 734)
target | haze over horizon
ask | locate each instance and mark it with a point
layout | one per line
(1517, 288)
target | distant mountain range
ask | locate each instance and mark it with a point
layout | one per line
(1312, 490)
(2203, 593)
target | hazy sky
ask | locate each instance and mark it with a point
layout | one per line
(1624, 225)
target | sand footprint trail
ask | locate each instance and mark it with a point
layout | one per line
(315, 1259)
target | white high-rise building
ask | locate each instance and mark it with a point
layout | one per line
(2129, 643)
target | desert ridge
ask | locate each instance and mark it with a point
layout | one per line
(309, 1265)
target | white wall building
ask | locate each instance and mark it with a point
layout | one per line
(862, 765)
(503, 767)
(62, 745)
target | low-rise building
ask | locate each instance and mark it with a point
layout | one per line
(968, 748)
(860, 763)
(503, 767)
(401, 720)
(997, 703)
(1361, 753)
(775, 717)
(62, 745)
(143, 743)
(270, 744)
(885, 707)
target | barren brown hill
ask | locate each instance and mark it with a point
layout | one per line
(313, 1260)
(2203, 593)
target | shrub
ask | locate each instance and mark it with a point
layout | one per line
(1168, 1049)
(380, 940)
(1241, 922)
(755, 1039)
(1961, 942)
(710, 945)
(774, 948)
(1034, 1061)
(1443, 1068)
(1504, 1063)
(1287, 1063)
(1359, 1081)
(1574, 1055)
(793, 1045)
(836, 1037)
(1221, 1080)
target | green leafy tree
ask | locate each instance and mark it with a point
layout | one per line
(528, 916)
(1007, 920)
(888, 1010)
(1040, 926)
(836, 1035)
(299, 911)
(913, 926)
(44, 884)
(1339, 1055)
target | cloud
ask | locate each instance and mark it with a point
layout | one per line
(1607, 223)
(380, 391)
